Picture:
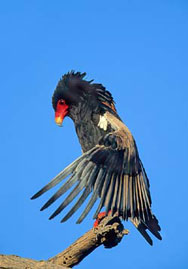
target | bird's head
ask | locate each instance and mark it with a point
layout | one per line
(72, 90)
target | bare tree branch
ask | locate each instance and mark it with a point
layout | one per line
(16, 262)
(109, 233)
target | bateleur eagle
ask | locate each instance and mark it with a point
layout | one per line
(109, 168)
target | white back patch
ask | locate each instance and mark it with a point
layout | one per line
(103, 123)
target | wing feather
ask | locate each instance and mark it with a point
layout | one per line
(84, 195)
(115, 196)
(127, 196)
(94, 196)
(120, 196)
(69, 198)
(140, 199)
(67, 185)
(63, 174)
(113, 172)
(131, 196)
(108, 199)
(103, 193)
(137, 197)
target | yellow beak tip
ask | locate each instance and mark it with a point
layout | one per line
(59, 121)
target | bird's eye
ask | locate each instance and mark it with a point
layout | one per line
(61, 102)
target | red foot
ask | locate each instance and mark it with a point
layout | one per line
(100, 217)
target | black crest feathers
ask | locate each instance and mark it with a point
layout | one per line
(72, 87)
(69, 82)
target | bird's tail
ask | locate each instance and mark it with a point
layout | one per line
(152, 225)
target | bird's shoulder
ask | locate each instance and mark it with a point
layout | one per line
(119, 133)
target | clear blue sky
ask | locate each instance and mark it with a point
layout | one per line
(139, 51)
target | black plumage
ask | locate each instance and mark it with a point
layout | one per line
(109, 168)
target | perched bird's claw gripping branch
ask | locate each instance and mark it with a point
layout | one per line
(110, 231)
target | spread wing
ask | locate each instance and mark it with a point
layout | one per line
(112, 173)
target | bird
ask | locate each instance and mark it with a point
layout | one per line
(109, 168)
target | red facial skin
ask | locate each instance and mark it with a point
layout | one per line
(61, 112)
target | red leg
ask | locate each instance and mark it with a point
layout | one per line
(100, 217)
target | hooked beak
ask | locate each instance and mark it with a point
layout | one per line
(60, 115)
(59, 121)
(61, 112)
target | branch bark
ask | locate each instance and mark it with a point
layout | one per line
(109, 233)
(16, 262)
